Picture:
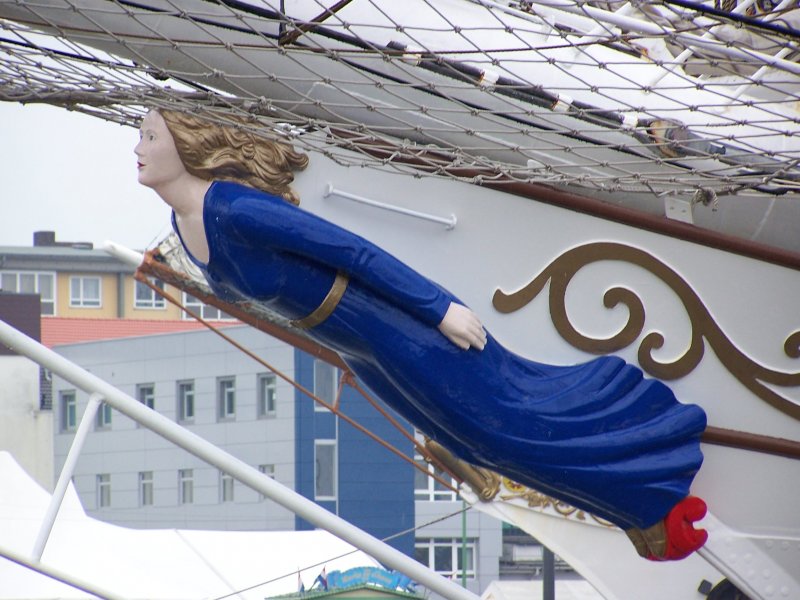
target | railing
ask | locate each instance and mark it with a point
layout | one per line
(449, 222)
(101, 391)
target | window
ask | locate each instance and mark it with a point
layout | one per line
(226, 398)
(269, 471)
(84, 292)
(325, 383)
(145, 488)
(444, 555)
(185, 401)
(103, 490)
(45, 389)
(225, 487)
(209, 313)
(185, 486)
(146, 394)
(145, 297)
(428, 488)
(267, 389)
(32, 283)
(103, 417)
(325, 470)
(69, 410)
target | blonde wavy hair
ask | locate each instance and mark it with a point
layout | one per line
(212, 151)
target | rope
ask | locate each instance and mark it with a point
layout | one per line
(434, 81)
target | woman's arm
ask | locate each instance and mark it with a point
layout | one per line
(259, 219)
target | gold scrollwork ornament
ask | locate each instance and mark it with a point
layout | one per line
(559, 274)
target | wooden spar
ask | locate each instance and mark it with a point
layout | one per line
(751, 441)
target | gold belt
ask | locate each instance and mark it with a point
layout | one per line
(327, 306)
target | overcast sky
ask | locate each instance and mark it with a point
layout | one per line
(75, 175)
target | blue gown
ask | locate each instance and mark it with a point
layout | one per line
(596, 435)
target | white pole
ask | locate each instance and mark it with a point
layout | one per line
(243, 472)
(66, 475)
(58, 575)
(122, 253)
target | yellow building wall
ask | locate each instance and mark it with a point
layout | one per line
(169, 312)
(108, 297)
(109, 302)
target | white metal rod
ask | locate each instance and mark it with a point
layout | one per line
(648, 28)
(448, 222)
(66, 475)
(754, 78)
(777, 10)
(122, 253)
(241, 471)
(58, 575)
(684, 56)
(601, 30)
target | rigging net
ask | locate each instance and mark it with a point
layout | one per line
(697, 99)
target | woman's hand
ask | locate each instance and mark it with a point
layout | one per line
(463, 327)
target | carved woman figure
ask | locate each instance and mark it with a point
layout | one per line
(596, 435)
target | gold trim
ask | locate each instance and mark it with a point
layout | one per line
(538, 500)
(487, 485)
(483, 482)
(650, 542)
(559, 274)
(327, 306)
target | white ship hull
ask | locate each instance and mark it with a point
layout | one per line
(502, 242)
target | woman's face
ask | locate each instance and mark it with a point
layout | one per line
(158, 160)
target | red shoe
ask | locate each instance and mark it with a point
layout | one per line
(682, 537)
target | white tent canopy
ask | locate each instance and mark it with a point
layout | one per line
(161, 564)
(569, 589)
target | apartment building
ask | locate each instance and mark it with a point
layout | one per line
(77, 281)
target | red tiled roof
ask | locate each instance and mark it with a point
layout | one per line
(62, 330)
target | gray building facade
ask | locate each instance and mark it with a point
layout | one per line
(130, 476)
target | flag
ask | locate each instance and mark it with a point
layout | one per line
(322, 579)
(301, 589)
